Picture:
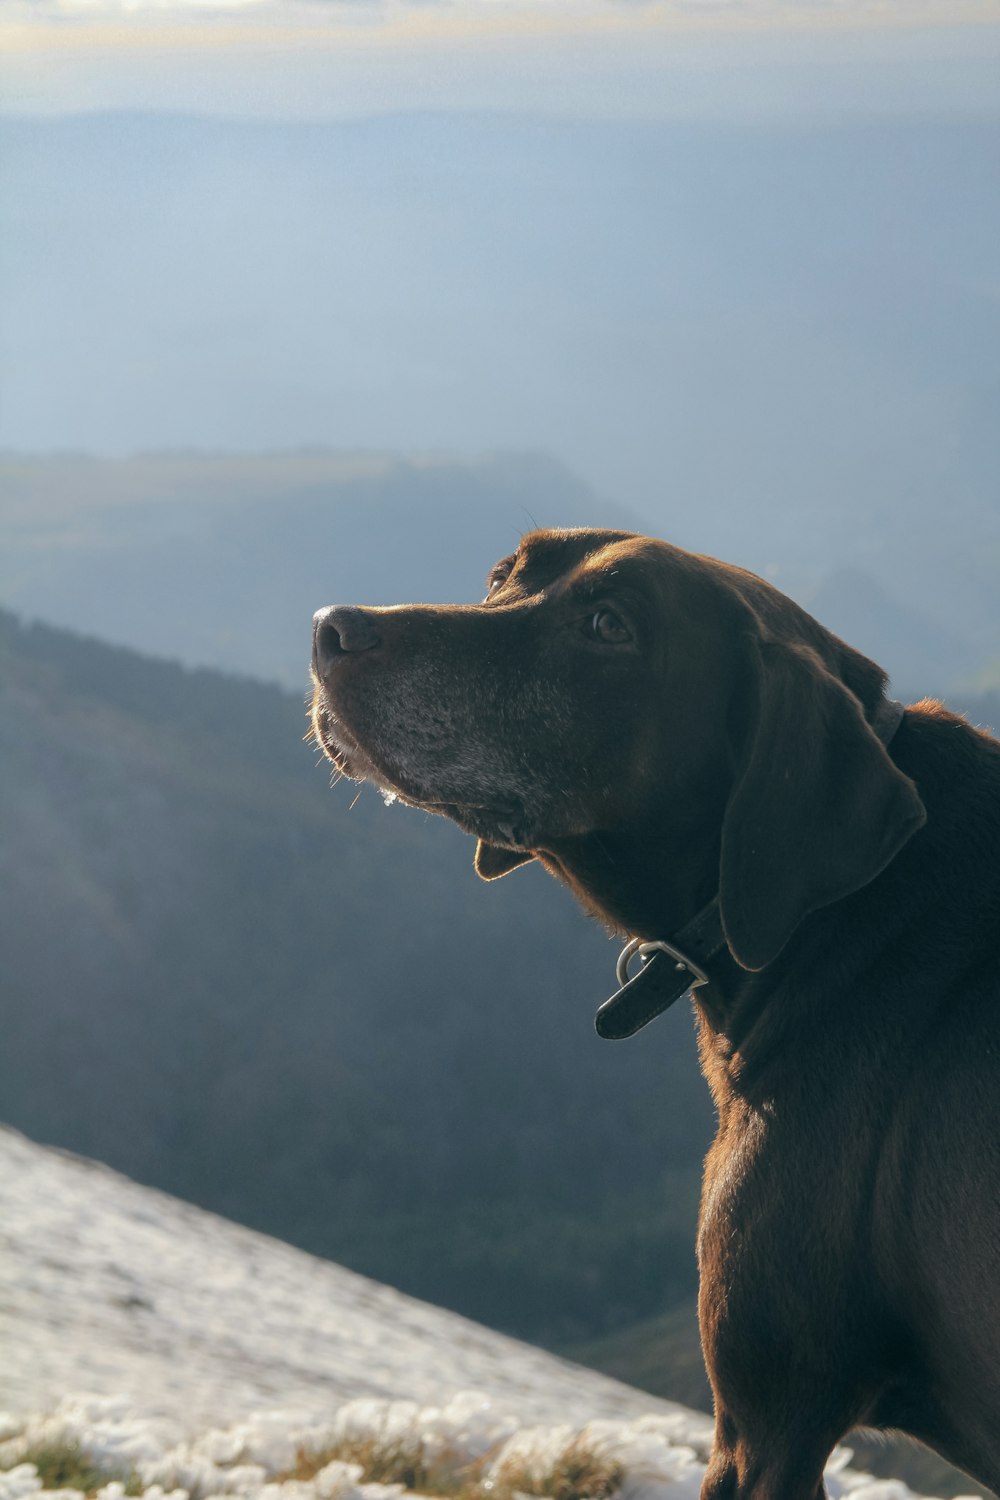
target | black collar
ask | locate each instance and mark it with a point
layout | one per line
(670, 969)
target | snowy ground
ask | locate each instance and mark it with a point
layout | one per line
(210, 1355)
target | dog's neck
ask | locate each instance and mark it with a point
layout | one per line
(658, 880)
(643, 882)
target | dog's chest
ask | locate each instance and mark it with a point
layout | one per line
(782, 1240)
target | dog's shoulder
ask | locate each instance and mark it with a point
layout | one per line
(955, 765)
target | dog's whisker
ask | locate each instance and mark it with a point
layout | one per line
(602, 845)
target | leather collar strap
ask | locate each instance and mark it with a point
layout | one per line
(667, 973)
(669, 970)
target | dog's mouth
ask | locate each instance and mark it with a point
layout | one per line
(503, 822)
(339, 747)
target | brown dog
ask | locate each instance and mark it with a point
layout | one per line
(707, 767)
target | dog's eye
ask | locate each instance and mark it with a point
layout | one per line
(500, 574)
(604, 625)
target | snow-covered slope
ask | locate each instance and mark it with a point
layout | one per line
(110, 1287)
(175, 1322)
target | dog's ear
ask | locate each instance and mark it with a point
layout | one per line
(492, 862)
(817, 809)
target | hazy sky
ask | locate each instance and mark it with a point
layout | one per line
(779, 309)
(668, 58)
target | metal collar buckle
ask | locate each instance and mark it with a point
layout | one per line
(645, 951)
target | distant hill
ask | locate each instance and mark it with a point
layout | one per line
(220, 559)
(303, 1010)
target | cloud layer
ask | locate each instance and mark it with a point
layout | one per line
(668, 59)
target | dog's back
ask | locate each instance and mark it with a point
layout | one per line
(939, 1188)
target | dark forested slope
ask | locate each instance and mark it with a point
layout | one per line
(226, 980)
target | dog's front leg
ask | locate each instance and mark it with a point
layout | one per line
(745, 1467)
(787, 1332)
(780, 1406)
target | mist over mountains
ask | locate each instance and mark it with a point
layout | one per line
(776, 343)
(714, 307)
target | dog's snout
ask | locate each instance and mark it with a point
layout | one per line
(339, 630)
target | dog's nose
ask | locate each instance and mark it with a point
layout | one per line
(338, 630)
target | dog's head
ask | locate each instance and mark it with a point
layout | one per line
(633, 715)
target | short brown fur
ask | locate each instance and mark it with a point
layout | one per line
(657, 728)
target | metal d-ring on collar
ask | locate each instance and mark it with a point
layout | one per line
(682, 962)
(667, 972)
